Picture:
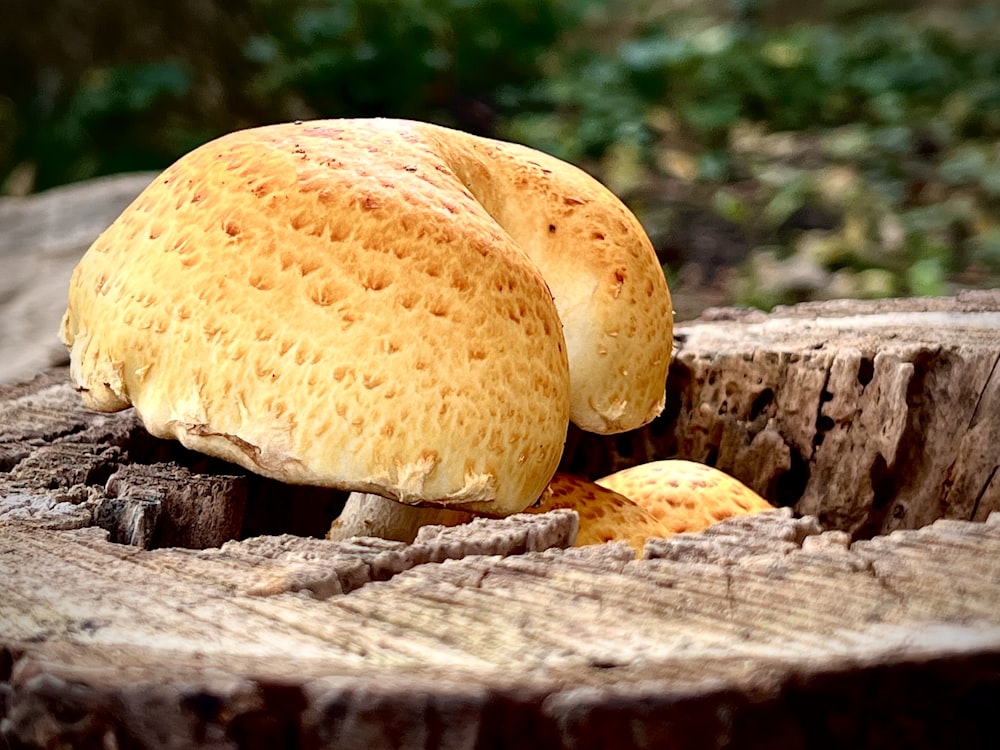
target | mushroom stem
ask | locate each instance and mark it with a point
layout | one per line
(366, 514)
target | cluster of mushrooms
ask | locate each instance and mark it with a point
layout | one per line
(393, 308)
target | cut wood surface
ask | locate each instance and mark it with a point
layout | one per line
(150, 597)
(743, 632)
(760, 632)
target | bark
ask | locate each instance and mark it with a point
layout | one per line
(873, 416)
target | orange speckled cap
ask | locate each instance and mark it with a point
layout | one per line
(685, 495)
(327, 303)
(605, 515)
(607, 282)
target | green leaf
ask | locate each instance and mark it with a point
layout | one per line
(926, 278)
(965, 164)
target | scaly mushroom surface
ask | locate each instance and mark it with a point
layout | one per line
(685, 495)
(608, 286)
(327, 303)
(368, 304)
(605, 515)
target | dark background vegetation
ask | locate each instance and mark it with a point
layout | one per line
(775, 150)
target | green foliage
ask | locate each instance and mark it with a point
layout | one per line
(908, 110)
(125, 108)
(883, 71)
(108, 123)
(880, 114)
(411, 58)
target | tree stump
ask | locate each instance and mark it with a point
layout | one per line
(155, 598)
(873, 416)
(41, 239)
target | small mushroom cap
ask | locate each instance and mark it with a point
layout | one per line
(605, 515)
(326, 303)
(685, 495)
(602, 269)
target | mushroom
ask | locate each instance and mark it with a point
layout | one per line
(368, 514)
(327, 303)
(605, 515)
(599, 263)
(685, 495)
(388, 307)
(608, 286)
(651, 500)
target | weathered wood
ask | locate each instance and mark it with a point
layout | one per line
(871, 416)
(713, 637)
(64, 467)
(41, 239)
(184, 509)
(874, 416)
(759, 632)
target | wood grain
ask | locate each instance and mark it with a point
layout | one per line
(802, 627)
(360, 644)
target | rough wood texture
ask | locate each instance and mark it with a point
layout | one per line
(64, 467)
(874, 416)
(762, 632)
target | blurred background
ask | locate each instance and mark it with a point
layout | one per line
(775, 150)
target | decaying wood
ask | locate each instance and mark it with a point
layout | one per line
(743, 634)
(62, 466)
(763, 631)
(184, 509)
(874, 416)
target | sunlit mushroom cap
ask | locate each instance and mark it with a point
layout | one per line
(685, 495)
(607, 282)
(326, 303)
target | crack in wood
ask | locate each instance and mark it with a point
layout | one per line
(982, 493)
(992, 385)
(822, 423)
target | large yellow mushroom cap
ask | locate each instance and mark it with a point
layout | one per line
(327, 303)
